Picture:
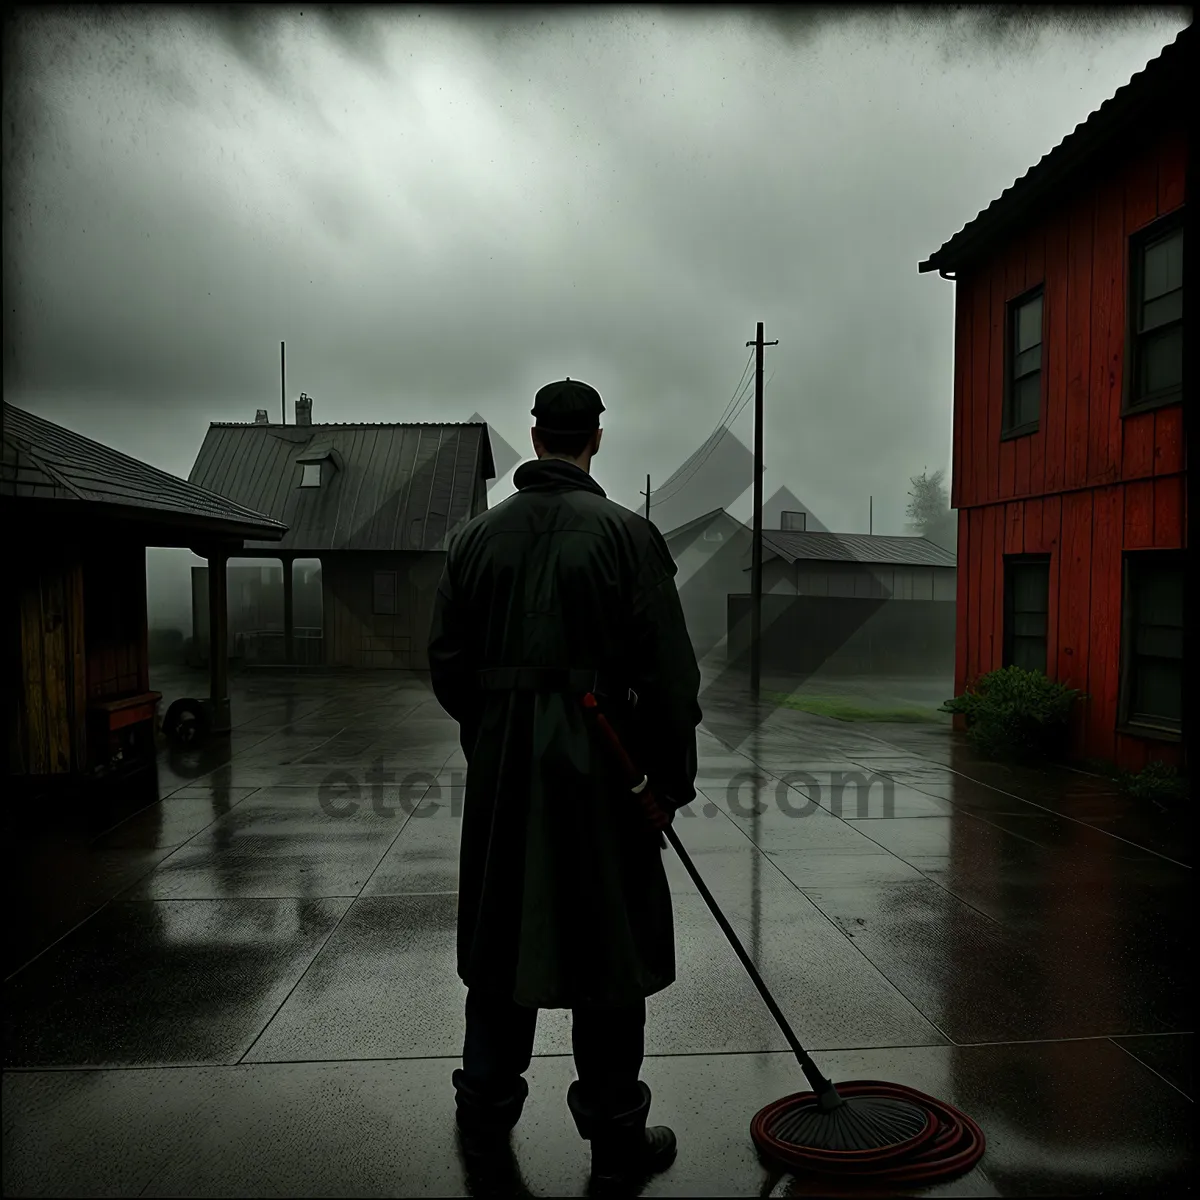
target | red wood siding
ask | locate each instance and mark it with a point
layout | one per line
(1085, 533)
(1089, 484)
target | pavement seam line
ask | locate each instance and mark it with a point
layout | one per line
(308, 967)
(336, 925)
(1021, 799)
(842, 933)
(1142, 1062)
(117, 896)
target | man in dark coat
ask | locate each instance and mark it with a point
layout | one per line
(563, 899)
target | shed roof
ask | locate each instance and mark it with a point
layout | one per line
(390, 487)
(1158, 88)
(878, 549)
(43, 461)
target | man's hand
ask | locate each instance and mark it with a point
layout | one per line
(658, 815)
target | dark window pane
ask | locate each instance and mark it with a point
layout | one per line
(1160, 358)
(1031, 360)
(1031, 583)
(1156, 641)
(1029, 325)
(1158, 690)
(1163, 266)
(1029, 654)
(1159, 596)
(1028, 587)
(1026, 395)
(1029, 624)
(1162, 311)
(1156, 593)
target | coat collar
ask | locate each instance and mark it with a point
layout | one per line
(554, 475)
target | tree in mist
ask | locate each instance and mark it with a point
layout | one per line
(929, 512)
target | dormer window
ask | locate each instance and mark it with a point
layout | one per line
(319, 464)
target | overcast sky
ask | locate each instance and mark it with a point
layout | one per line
(440, 211)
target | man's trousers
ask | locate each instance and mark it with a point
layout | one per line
(608, 1043)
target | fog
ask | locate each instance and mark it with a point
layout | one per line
(440, 210)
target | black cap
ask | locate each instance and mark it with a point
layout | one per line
(569, 406)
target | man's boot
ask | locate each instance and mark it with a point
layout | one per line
(485, 1120)
(624, 1150)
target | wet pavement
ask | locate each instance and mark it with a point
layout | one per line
(235, 976)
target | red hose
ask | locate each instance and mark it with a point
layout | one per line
(955, 1146)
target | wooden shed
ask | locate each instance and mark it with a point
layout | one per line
(374, 503)
(77, 518)
(1069, 474)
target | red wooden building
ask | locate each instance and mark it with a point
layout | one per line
(1069, 472)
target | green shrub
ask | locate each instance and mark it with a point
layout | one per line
(1014, 713)
(1157, 782)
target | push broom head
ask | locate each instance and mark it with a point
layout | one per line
(869, 1128)
(863, 1125)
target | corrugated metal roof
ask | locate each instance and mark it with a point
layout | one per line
(386, 486)
(1160, 84)
(42, 460)
(878, 549)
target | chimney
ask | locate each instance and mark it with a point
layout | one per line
(260, 416)
(794, 521)
(304, 410)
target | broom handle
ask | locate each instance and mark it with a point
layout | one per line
(814, 1076)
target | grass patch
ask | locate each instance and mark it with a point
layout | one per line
(848, 708)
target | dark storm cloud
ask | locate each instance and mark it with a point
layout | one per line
(441, 209)
(251, 31)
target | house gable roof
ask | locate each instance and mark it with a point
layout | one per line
(44, 461)
(1157, 89)
(397, 487)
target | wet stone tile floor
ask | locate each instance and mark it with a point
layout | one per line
(215, 985)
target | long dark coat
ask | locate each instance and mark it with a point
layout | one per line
(563, 900)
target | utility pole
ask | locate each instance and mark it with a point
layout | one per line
(282, 387)
(647, 497)
(870, 514)
(756, 560)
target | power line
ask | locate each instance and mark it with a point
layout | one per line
(721, 430)
(720, 427)
(716, 433)
(737, 389)
(746, 400)
(688, 471)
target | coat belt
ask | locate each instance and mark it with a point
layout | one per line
(553, 679)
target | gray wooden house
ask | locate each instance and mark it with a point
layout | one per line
(857, 603)
(374, 503)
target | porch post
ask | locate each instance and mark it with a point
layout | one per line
(289, 625)
(218, 640)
